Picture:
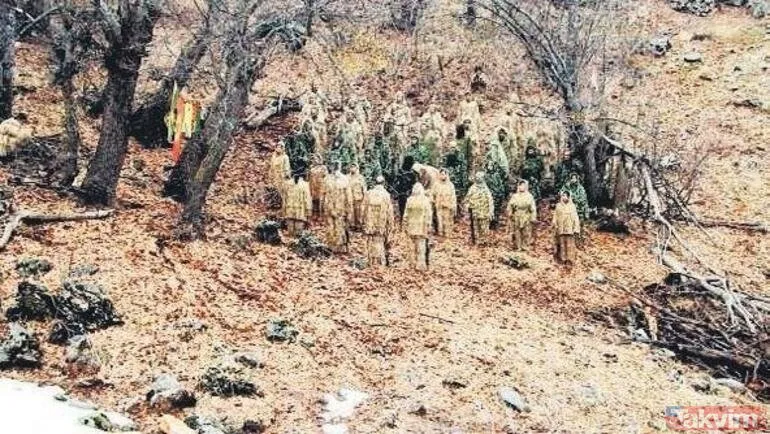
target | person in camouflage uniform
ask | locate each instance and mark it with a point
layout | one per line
(392, 141)
(362, 109)
(400, 114)
(565, 168)
(350, 133)
(433, 129)
(479, 80)
(382, 152)
(279, 170)
(358, 190)
(300, 147)
(532, 169)
(318, 174)
(338, 206)
(370, 167)
(403, 181)
(465, 143)
(418, 151)
(445, 202)
(566, 226)
(457, 169)
(378, 223)
(522, 211)
(469, 110)
(481, 207)
(298, 206)
(507, 143)
(342, 153)
(496, 165)
(417, 221)
(578, 194)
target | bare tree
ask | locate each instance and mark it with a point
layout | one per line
(7, 57)
(128, 30)
(574, 46)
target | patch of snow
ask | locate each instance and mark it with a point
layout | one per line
(28, 408)
(338, 407)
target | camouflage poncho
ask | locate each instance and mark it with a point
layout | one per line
(579, 197)
(497, 181)
(341, 153)
(457, 167)
(532, 171)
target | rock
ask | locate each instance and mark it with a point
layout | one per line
(204, 425)
(515, 262)
(591, 395)
(336, 428)
(168, 393)
(268, 232)
(21, 349)
(83, 271)
(664, 353)
(700, 8)
(693, 57)
(253, 427)
(454, 383)
(80, 352)
(659, 45)
(228, 379)
(342, 405)
(171, 425)
(596, 277)
(513, 399)
(189, 327)
(33, 267)
(108, 421)
(358, 263)
(279, 330)
(308, 246)
(80, 308)
(250, 360)
(759, 8)
(732, 384)
(33, 303)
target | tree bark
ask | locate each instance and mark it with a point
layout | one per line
(69, 166)
(64, 54)
(147, 122)
(7, 58)
(128, 40)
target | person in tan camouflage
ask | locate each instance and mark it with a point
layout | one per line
(358, 190)
(417, 222)
(566, 226)
(378, 223)
(481, 207)
(445, 202)
(12, 133)
(279, 172)
(338, 207)
(400, 115)
(318, 175)
(298, 206)
(522, 211)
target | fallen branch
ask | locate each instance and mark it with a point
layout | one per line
(744, 226)
(16, 219)
(280, 106)
(437, 317)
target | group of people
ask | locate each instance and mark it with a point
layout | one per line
(353, 179)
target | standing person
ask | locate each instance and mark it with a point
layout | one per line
(280, 170)
(577, 193)
(445, 201)
(481, 206)
(533, 168)
(417, 221)
(522, 211)
(338, 206)
(318, 174)
(358, 190)
(378, 223)
(298, 206)
(566, 225)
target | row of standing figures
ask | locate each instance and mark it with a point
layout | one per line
(345, 204)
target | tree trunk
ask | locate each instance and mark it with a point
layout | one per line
(104, 169)
(189, 162)
(218, 135)
(69, 166)
(147, 122)
(128, 39)
(7, 58)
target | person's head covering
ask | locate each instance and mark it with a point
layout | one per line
(380, 180)
(480, 176)
(418, 189)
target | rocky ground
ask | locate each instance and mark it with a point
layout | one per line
(431, 351)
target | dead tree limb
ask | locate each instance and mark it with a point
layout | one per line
(744, 226)
(18, 218)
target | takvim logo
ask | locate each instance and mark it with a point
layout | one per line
(721, 418)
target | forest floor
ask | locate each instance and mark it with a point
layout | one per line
(430, 349)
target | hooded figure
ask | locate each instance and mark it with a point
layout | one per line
(338, 207)
(533, 167)
(417, 221)
(445, 202)
(318, 175)
(298, 206)
(578, 194)
(522, 211)
(358, 192)
(280, 172)
(566, 227)
(481, 206)
(378, 222)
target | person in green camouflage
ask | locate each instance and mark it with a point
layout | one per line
(457, 167)
(578, 194)
(419, 151)
(341, 153)
(496, 170)
(370, 168)
(533, 167)
(565, 168)
(383, 153)
(300, 147)
(465, 144)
